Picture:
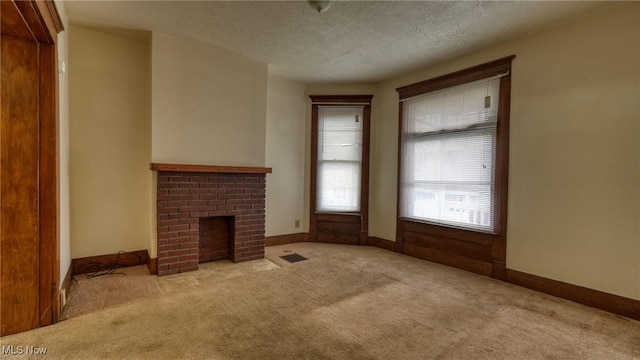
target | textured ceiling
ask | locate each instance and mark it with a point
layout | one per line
(354, 41)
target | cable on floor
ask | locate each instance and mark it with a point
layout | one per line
(113, 267)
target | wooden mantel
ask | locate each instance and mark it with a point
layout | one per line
(211, 168)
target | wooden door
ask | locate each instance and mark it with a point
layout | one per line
(29, 265)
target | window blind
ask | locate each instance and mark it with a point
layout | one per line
(448, 144)
(339, 158)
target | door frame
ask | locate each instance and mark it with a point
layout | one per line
(39, 22)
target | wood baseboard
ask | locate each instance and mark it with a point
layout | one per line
(384, 244)
(153, 266)
(105, 262)
(597, 299)
(594, 298)
(286, 239)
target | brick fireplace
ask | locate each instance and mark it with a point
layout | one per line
(192, 199)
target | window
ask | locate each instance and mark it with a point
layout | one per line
(454, 130)
(339, 168)
(449, 150)
(339, 165)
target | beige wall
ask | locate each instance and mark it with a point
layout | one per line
(574, 194)
(285, 149)
(109, 142)
(208, 105)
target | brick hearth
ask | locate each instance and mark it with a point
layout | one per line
(186, 197)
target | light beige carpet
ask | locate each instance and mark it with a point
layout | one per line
(88, 294)
(344, 302)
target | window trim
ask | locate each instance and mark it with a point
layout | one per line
(496, 239)
(363, 214)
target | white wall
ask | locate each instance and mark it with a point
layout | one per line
(109, 142)
(285, 152)
(208, 105)
(574, 199)
(63, 146)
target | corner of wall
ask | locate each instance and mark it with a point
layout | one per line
(62, 46)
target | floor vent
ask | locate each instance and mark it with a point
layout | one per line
(292, 258)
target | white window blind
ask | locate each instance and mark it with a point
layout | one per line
(339, 158)
(449, 146)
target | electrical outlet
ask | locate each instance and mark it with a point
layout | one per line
(297, 223)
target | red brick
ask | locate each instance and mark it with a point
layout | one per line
(199, 191)
(176, 240)
(168, 235)
(190, 245)
(179, 227)
(189, 221)
(179, 191)
(179, 179)
(189, 197)
(198, 179)
(207, 185)
(207, 208)
(166, 250)
(168, 186)
(177, 203)
(189, 256)
(249, 222)
(167, 197)
(180, 253)
(168, 260)
(178, 216)
(178, 265)
(168, 222)
(167, 210)
(191, 267)
(238, 195)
